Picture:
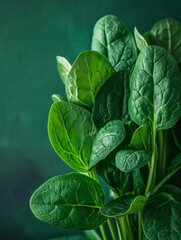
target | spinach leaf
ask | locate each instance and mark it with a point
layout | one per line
(138, 183)
(141, 138)
(88, 74)
(110, 101)
(121, 206)
(112, 39)
(175, 164)
(171, 189)
(140, 40)
(167, 33)
(155, 89)
(58, 98)
(107, 139)
(71, 132)
(63, 68)
(129, 160)
(70, 202)
(147, 37)
(161, 217)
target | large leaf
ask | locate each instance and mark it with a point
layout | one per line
(107, 139)
(111, 102)
(161, 217)
(88, 73)
(167, 33)
(155, 89)
(141, 138)
(70, 202)
(63, 68)
(112, 39)
(129, 160)
(71, 132)
(121, 206)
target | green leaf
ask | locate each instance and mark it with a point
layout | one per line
(141, 138)
(121, 206)
(176, 134)
(167, 34)
(71, 132)
(110, 101)
(112, 39)
(138, 183)
(147, 37)
(58, 98)
(140, 40)
(155, 89)
(161, 217)
(107, 139)
(88, 74)
(171, 189)
(128, 160)
(175, 164)
(70, 202)
(92, 235)
(63, 68)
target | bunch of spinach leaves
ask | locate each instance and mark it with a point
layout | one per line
(120, 121)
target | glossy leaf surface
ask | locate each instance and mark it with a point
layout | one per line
(140, 40)
(63, 68)
(70, 202)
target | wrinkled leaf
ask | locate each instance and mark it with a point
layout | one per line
(155, 89)
(70, 202)
(161, 217)
(107, 139)
(141, 138)
(58, 98)
(140, 40)
(88, 74)
(112, 39)
(110, 101)
(167, 34)
(63, 68)
(123, 205)
(71, 132)
(129, 160)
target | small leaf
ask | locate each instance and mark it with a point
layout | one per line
(121, 206)
(63, 68)
(107, 139)
(58, 98)
(140, 40)
(167, 34)
(70, 202)
(175, 164)
(88, 74)
(71, 132)
(128, 160)
(92, 235)
(141, 138)
(161, 217)
(113, 39)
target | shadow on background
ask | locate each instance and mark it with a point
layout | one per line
(33, 33)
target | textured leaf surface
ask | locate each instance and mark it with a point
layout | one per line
(107, 139)
(175, 163)
(88, 73)
(141, 138)
(112, 39)
(121, 206)
(128, 160)
(71, 132)
(167, 34)
(63, 68)
(155, 89)
(58, 98)
(161, 217)
(70, 202)
(140, 40)
(111, 101)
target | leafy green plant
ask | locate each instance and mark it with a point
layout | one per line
(121, 122)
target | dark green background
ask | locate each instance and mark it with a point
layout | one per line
(32, 33)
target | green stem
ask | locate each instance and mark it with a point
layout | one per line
(103, 232)
(164, 180)
(140, 232)
(123, 228)
(119, 229)
(112, 229)
(129, 228)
